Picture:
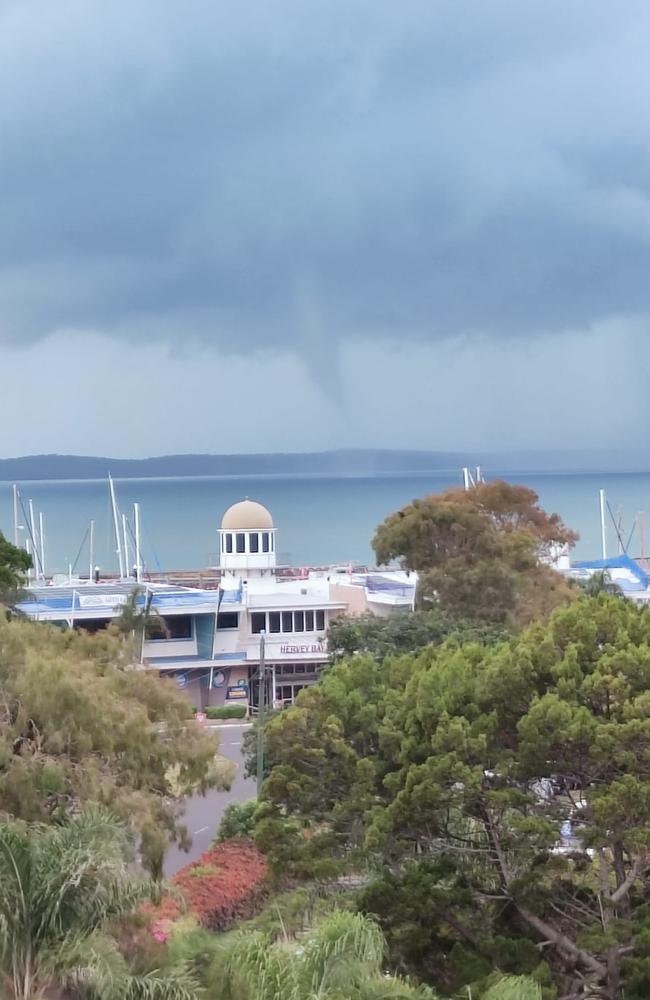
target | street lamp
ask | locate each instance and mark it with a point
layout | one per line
(260, 716)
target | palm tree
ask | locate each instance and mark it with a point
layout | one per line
(340, 959)
(601, 582)
(514, 988)
(58, 887)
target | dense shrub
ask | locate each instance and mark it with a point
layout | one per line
(237, 820)
(226, 712)
(226, 884)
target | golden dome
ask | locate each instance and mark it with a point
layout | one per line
(247, 515)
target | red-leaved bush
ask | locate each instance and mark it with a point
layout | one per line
(225, 885)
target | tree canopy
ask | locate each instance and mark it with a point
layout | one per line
(14, 563)
(501, 795)
(403, 632)
(479, 553)
(78, 724)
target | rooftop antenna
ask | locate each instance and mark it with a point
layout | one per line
(116, 526)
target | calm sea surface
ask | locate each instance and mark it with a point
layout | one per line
(319, 519)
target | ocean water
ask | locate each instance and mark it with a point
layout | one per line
(319, 519)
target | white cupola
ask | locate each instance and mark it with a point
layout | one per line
(247, 540)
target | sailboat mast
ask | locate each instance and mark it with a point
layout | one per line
(603, 524)
(34, 537)
(16, 528)
(138, 564)
(125, 542)
(116, 526)
(41, 536)
(91, 553)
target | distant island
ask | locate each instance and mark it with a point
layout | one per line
(352, 462)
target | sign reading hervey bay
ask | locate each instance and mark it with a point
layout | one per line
(316, 647)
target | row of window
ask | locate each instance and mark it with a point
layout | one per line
(290, 669)
(287, 621)
(247, 542)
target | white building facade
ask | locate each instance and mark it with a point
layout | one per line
(211, 640)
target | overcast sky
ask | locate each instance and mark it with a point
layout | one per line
(300, 224)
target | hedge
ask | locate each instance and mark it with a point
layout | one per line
(226, 712)
(225, 885)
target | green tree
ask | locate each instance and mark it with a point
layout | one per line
(79, 725)
(473, 761)
(14, 563)
(479, 553)
(59, 888)
(237, 820)
(404, 632)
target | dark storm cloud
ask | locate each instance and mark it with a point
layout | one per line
(291, 174)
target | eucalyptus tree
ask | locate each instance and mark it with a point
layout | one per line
(480, 554)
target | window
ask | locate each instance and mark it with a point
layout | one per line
(300, 668)
(258, 622)
(299, 621)
(274, 621)
(309, 621)
(228, 542)
(287, 621)
(240, 542)
(227, 619)
(320, 621)
(92, 625)
(265, 541)
(178, 627)
(254, 543)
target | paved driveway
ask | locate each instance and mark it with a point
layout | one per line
(203, 812)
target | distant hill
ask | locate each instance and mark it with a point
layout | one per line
(335, 463)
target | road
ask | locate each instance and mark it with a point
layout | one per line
(203, 812)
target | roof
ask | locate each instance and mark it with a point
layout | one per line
(103, 600)
(623, 570)
(247, 515)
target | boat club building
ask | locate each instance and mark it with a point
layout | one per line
(208, 642)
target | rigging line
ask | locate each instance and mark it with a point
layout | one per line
(150, 544)
(618, 534)
(631, 535)
(83, 542)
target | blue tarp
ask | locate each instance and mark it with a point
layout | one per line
(618, 562)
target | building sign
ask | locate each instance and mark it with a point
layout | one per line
(237, 693)
(101, 600)
(316, 647)
(181, 681)
(219, 679)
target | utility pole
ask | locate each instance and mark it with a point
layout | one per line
(260, 717)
